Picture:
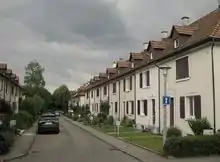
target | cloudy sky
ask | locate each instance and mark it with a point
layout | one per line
(76, 39)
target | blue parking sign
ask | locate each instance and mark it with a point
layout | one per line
(166, 100)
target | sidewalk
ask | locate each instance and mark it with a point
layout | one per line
(134, 151)
(21, 145)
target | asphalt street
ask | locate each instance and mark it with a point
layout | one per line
(72, 144)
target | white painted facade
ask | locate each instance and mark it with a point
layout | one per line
(114, 99)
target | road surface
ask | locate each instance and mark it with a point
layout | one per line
(72, 145)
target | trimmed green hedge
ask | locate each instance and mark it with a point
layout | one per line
(190, 146)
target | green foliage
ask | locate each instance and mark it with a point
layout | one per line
(33, 105)
(75, 117)
(192, 146)
(80, 119)
(61, 98)
(127, 122)
(198, 125)
(101, 117)
(104, 108)
(109, 121)
(23, 120)
(174, 132)
(6, 140)
(34, 75)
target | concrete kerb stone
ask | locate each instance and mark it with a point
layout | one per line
(108, 143)
(21, 155)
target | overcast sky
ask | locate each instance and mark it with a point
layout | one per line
(76, 39)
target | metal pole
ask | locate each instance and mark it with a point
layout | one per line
(165, 109)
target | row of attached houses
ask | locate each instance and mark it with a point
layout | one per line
(10, 89)
(134, 87)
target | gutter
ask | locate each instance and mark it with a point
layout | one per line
(158, 69)
(213, 85)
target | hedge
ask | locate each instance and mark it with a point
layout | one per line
(190, 146)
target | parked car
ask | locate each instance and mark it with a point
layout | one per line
(48, 123)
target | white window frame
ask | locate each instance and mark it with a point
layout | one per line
(188, 107)
(176, 43)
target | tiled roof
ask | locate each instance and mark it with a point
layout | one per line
(102, 75)
(3, 66)
(206, 27)
(123, 64)
(111, 71)
(8, 71)
(136, 56)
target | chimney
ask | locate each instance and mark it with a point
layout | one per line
(164, 34)
(145, 45)
(185, 20)
(114, 64)
(132, 65)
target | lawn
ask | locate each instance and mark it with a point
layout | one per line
(145, 139)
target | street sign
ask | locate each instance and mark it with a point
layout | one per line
(166, 100)
(117, 123)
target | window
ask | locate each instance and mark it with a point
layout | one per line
(1, 84)
(130, 83)
(141, 80)
(87, 95)
(147, 73)
(114, 88)
(127, 107)
(176, 43)
(182, 68)
(12, 89)
(182, 107)
(91, 94)
(132, 107)
(116, 107)
(6, 87)
(124, 85)
(105, 90)
(138, 107)
(97, 92)
(153, 111)
(145, 107)
(194, 103)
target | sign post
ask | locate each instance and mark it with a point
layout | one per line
(118, 123)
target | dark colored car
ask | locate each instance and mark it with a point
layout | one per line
(48, 123)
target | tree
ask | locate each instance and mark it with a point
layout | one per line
(61, 97)
(34, 75)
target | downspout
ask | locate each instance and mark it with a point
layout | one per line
(158, 69)
(119, 98)
(135, 98)
(213, 85)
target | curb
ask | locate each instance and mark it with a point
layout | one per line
(108, 143)
(21, 155)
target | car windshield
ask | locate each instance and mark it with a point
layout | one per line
(50, 115)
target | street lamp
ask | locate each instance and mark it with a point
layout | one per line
(165, 97)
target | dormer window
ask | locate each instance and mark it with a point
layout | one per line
(176, 43)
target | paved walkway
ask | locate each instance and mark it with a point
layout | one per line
(21, 145)
(141, 154)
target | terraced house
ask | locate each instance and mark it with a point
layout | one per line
(10, 89)
(134, 87)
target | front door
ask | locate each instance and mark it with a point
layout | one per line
(171, 111)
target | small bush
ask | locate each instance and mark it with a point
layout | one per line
(127, 122)
(80, 119)
(23, 120)
(101, 117)
(190, 146)
(75, 117)
(174, 132)
(95, 121)
(109, 121)
(198, 125)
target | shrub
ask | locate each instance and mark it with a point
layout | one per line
(109, 120)
(190, 146)
(127, 122)
(198, 125)
(23, 120)
(80, 119)
(95, 121)
(101, 117)
(174, 132)
(75, 117)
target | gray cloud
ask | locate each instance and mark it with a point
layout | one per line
(76, 39)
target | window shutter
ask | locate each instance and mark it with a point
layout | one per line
(145, 107)
(124, 85)
(182, 107)
(148, 78)
(127, 107)
(138, 105)
(197, 104)
(132, 107)
(141, 80)
(131, 83)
